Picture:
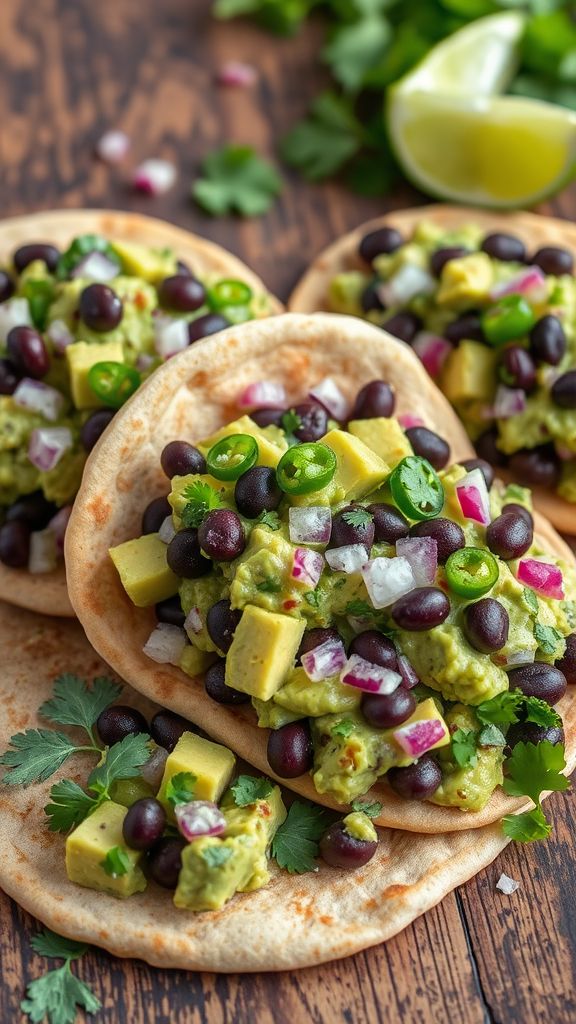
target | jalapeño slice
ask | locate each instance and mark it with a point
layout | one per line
(232, 456)
(229, 293)
(471, 572)
(113, 383)
(416, 488)
(510, 318)
(305, 468)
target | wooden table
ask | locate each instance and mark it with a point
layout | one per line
(73, 70)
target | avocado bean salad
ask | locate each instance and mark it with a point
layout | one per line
(493, 324)
(390, 616)
(80, 330)
(164, 804)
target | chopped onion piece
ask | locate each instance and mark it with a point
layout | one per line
(43, 554)
(60, 335)
(507, 885)
(418, 737)
(546, 579)
(36, 396)
(331, 397)
(311, 524)
(236, 73)
(325, 660)
(262, 394)
(307, 567)
(13, 313)
(58, 525)
(409, 677)
(165, 644)
(407, 420)
(193, 623)
(387, 579)
(422, 554)
(349, 558)
(113, 146)
(199, 818)
(508, 402)
(530, 282)
(97, 267)
(167, 531)
(368, 677)
(408, 282)
(170, 336)
(154, 177)
(432, 351)
(519, 658)
(144, 362)
(47, 446)
(152, 772)
(473, 497)
(357, 622)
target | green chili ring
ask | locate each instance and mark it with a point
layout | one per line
(229, 293)
(305, 468)
(471, 572)
(113, 383)
(232, 456)
(416, 488)
(511, 317)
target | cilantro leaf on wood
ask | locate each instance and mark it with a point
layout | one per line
(180, 788)
(356, 48)
(464, 748)
(116, 862)
(236, 179)
(201, 498)
(533, 769)
(47, 943)
(320, 144)
(357, 517)
(122, 761)
(372, 810)
(527, 827)
(296, 843)
(55, 997)
(75, 703)
(69, 806)
(37, 754)
(279, 16)
(249, 788)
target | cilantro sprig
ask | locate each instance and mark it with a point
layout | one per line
(201, 499)
(512, 705)
(357, 516)
(236, 179)
(180, 788)
(464, 749)
(249, 788)
(533, 769)
(56, 995)
(296, 843)
(371, 808)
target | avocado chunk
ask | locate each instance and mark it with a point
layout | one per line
(345, 292)
(88, 845)
(466, 282)
(210, 763)
(359, 469)
(153, 265)
(359, 826)
(300, 695)
(271, 715)
(194, 661)
(469, 786)
(384, 436)
(271, 442)
(144, 572)
(262, 651)
(81, 357)
(263, 574)
(469, 373)
(214, 867)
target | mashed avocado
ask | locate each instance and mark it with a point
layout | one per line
(468, 786)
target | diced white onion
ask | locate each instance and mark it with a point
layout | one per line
(167, 531)
(507, 885)
(422, 554)
(193, 623)
(331, 397)
(47, 446)
(307, 567)
(165, 644)
(408, 282)
(43, 554)
(154, 177)
(508, 402)
(387, 579)
(38, 397)
(309, 525)
(170, 336)
(96, 267)
(60, 335)
(473, 497)
(13, 313)
(349, 558)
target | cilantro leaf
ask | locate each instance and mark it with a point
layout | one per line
(500, 710)
(201, 498)
(235, 178)
(527, 827)
(357, 516)
(215, 856)
(269, 586)
(359, 609)
(248, 789)
(75, 703)
(295, 845)
(276, 15)
(47, 943)
(269, 519)
(540, 712)
(323, 142)
(464, 748)
(372, 810)
(534, 769)
(122, 761)
(355, 49)
(313, 598)
(116, 862)
(37, 754)
(491, 736)
(80, 247)
(547, 637)
(531, 600)
(69, 807)
(342, 728)
(55, 996)
(291, 422)
(180, 788)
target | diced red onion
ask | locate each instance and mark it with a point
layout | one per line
(38, 397)
(407, 420)
(507, 885)
(311, 524)
(508, 402)
(409, 677)
(349, 558)
(144, 362)
(199, 818)
(153, 771)
(47, 446)
(387, 579)
(154, 177)
(170, 336)
(422, 554)
(236, 73)
(473, 497)
(418, 737)
(325, 660)
(432, 351)
(113, 146)
(167, 531)
(369, 677)
(530, 282)
(165, 644)
(546, 579)
(96, 266)
(43, 556)
(60, 335)
(408, 282)
(307, 567)
(519, 658)
(58, 524)
(13, 313)
(262, 394)
(331, 397)
(193, 622)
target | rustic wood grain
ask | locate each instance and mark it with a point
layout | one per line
(69, 72)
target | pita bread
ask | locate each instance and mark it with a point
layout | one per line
(296, 921)
(190, 397)
(47, 593)
(311, 293)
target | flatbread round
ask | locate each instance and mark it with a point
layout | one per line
(190, 397)
(47, 593)
(296, 921)
(311, 292)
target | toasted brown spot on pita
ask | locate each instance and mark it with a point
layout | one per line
(100, 509)
(392, 891)
(326, 918)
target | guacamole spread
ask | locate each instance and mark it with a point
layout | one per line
(79, 331)
(493, 324)
(389, 615)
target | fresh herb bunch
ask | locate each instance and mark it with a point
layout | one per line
(56, 995)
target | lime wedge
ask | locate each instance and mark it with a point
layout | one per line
(458, 139)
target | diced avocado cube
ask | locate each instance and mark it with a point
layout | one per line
(144, 572)
(194, 661)
(327, 697)
(383, 436)
(271, 715)
(469, 373)
(262, 652)
(210, 763)
(359, 470)
(466, 281)
(152, 265)
(269, 452)
(88, 845)
(345, 292)
(80, 357)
